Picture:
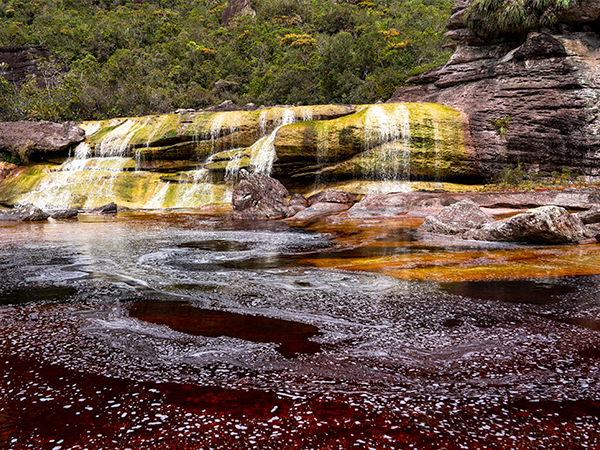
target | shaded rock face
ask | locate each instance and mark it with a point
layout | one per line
(21, 61)
(24, 138)
(6, 169)
(547, 85)
(237, 8)
(260, 197)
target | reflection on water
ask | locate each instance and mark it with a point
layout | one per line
(292, 337)
(194, 331)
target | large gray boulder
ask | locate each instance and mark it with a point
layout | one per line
(24, 138)
(545, 225)
(260, 197)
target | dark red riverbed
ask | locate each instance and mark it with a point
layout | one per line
(117, 333)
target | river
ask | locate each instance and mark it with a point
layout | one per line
(188, 330)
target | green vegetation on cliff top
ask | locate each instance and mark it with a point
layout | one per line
(116, 58)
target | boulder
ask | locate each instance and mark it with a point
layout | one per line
(456, 220)
(24, 138)
(545, 225)
(65, 214)
(260, 197)
(109, 208)
(24, 214)
(332, 196)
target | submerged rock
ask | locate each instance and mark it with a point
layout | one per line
(109, 208)
(260, 197)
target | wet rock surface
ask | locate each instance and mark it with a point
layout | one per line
(65, 214)
(320, 209)
(109, 208)
(260, 197)
(24, 214)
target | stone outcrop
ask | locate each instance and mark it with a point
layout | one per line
(24, 138)
(544, 225)
(19, 62)
(237, 8)
(531, 100)
(259, 197)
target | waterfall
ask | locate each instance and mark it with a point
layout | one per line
(195, 187)
(263, 151)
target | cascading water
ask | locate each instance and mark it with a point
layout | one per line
(263, 151)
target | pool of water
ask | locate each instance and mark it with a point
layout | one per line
(184, 330)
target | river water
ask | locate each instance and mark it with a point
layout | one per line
(189, 330)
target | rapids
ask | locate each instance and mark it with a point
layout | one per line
(190, 330)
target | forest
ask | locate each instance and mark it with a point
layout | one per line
(116, 58)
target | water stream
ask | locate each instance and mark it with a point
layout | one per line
(187, 330)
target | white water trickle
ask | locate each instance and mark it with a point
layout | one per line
(263, 151)
(233, 166)
(388, 133)
(116, 142)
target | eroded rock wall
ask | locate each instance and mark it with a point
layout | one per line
(544, 87)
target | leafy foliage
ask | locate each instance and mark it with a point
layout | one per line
(513, 16)
(123, 57)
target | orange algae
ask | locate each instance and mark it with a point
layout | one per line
(404, 256)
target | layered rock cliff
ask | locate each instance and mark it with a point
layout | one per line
(529, 99)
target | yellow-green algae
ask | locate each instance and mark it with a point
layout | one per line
(431, 134)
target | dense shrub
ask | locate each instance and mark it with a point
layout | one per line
(122, 57)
